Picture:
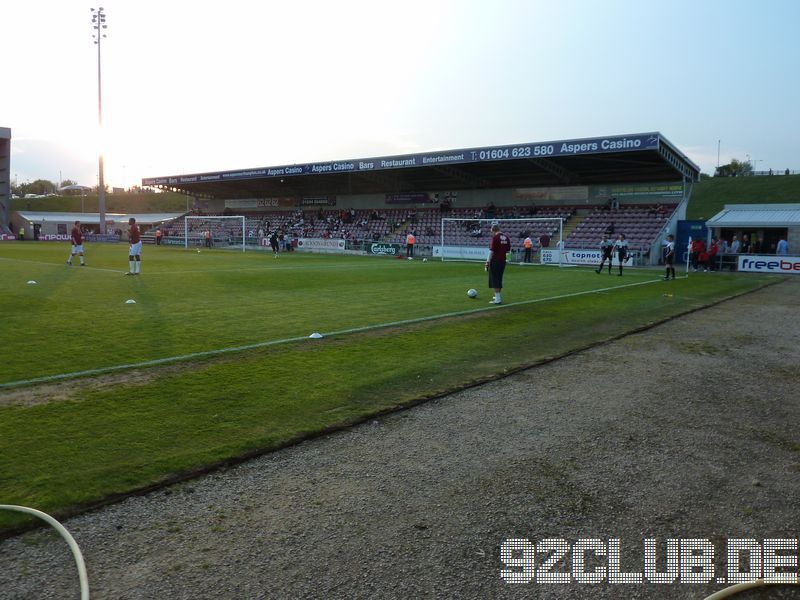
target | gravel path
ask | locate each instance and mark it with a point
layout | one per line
(688, 430)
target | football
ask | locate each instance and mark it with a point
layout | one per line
(472, 293)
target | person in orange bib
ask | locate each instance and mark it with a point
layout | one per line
(410, 245)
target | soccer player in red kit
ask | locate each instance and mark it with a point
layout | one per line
(135, 251)
(77, 244)
(496, 263)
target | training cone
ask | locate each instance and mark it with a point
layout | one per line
(31, 282)
(130, 301)
(316, 336)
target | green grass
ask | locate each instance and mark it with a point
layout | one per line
(709, 196)
(98, 439)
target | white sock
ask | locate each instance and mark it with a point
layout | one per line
(132, 263)
(69, 260)
(138, 264)
(81, 260)
(497, 297)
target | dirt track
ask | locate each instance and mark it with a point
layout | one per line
(688, 430)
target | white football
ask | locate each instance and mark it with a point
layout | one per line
(424, 260)
(472, 293)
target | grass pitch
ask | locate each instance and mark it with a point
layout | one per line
(74, 442)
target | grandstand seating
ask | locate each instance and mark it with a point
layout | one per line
(640, 223)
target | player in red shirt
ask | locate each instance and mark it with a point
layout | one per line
(135, 251)
(77, 244)
(496, 263)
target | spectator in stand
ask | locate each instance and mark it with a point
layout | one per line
(207, 237)
(614, 203)
(782, 249)
(736, 245)
(610, 229)
(758, 246)
(158, 236)
(490, 210)
(527, 244)
(412, 216)
(745, 244)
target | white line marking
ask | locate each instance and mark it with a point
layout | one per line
(49, 264)
(265, 267)
(217, 352)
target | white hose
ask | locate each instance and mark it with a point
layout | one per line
(73, 545)
(735, 589)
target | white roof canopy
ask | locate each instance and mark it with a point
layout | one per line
(757, 215)
(94, 218)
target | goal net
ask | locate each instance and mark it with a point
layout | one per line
(468, 239)
(214, 232)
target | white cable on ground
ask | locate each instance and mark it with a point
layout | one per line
(735, 589)
(73, 545)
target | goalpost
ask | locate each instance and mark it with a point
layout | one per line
(226, 232)
(468, 239)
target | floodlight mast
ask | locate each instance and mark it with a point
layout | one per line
(99, 24)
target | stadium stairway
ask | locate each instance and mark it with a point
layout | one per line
(573, 221)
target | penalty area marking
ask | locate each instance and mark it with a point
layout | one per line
(220, 351)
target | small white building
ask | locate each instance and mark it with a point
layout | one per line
(765, 222)
(56, 226)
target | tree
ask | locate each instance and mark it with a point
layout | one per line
(67, 182)
(40, 187)
(735, 168)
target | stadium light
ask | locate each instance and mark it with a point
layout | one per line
(99, 24)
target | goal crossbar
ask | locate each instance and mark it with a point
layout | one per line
(456, 230)
(218, 226)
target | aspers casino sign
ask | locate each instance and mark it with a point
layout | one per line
(787, 265)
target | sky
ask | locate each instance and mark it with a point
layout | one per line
(198, 86)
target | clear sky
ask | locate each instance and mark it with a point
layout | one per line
(205, 86)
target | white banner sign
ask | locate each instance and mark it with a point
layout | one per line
(787, 265)
(578, 257)
(470, 252)
(331, 245)
(55, 237)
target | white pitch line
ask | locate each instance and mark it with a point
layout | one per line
(49, 264)
(220, 351)
(293, 267)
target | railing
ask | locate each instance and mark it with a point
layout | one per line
(769, 173)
